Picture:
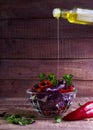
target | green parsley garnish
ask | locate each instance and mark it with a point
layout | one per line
(50, 77)
(18, 119)
(58, 119)
(68, 78)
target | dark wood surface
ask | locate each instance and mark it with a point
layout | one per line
(42, 29)
(46, 48)
(22, 106)
(35, 9)
(28, 46)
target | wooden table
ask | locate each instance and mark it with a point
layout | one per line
(22, 106)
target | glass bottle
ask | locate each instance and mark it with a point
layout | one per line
(76, 15)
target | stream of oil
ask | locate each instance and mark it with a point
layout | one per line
(58, 47)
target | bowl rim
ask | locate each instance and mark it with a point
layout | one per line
(29, 91)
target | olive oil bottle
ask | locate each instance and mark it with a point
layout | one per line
(76, 15)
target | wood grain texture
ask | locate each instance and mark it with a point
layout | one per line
(28, 45)
(46, 48)
(21, 106)
(35, 9)
(25, 69)
(43, 29)
(50, 124)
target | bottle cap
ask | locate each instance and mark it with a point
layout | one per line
(57, 13)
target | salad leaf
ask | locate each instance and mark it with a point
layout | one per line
(42, 76)
(68, 78)
(58, 119)
(18, 119)
(53, 79)
(50, 77)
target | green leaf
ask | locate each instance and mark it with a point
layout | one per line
(52, 78)
(18, 119)
(68, 78)
(42, 76)
(58, 119)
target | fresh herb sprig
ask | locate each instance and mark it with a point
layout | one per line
(42, 76)
(68, 78)
(58, 119)
(50, 77)
(18, 119)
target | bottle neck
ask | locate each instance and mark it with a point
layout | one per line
(58, 13)
(64, 14)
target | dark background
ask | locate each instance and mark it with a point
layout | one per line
(28, 45)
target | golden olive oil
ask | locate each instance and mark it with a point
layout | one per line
(76, 15)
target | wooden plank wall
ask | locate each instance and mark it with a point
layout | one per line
(28, 45)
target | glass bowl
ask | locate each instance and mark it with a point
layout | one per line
(50, 103)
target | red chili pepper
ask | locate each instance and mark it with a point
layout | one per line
(83, 112)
